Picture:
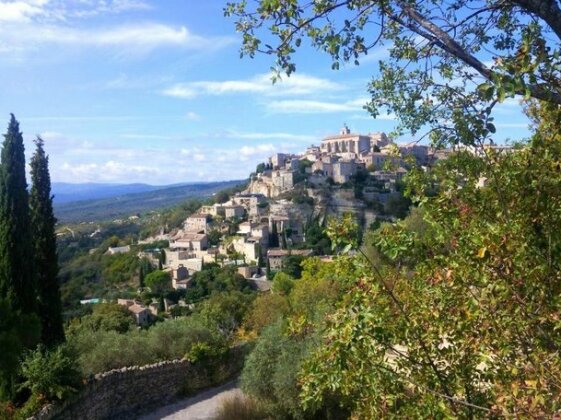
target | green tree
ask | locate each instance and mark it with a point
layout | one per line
(50, 374)
(17, 331)
(17, 266)
(44, 240)
(292, 265)
(158, 281)
(274, 236)
(282, 283)
(104, 317)
(440, 69)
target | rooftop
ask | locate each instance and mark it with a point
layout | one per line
(277, 252)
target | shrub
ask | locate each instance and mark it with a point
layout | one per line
(50, 374)
(240, 407)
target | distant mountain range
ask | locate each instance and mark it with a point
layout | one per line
(97, 202)
(66, 192)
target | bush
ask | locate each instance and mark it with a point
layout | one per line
(241, 407)
(282, 283)
(50, 374)
(105, 317)
(100, 351)
(270, 372)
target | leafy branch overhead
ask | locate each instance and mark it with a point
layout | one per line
(449, 63)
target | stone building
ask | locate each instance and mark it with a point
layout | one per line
(378, 160)
(197, 223)
(276, 256)
(179, 277)
(278, 160)
(343, 170)
(347, 142)
(234, 211)
(283, 180)
(420, 152)
(190, 242)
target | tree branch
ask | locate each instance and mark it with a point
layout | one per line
(548, 10)
(439, 37)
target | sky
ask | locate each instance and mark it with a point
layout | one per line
(126, 91)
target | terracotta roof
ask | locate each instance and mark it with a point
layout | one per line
(191, 237)
(285, 252)
(199, 216)
(136, 308)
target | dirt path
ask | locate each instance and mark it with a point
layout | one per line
(203, 406)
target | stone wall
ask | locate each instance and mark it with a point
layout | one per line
(125, 393)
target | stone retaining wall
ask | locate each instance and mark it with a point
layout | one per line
(125, 393)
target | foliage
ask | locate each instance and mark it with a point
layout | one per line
(289, 326)
(225, 311)
(50, 374)
(397, 205)
(282, 283)
(104, 317)
(158, 281)
(240, 407)
(265, 310)
(18, 289)
(439, 70)
(214, 237)
(449, 334)
(316, 238)
(17, 331)
(44, 244)
(99, 351)
(17, 280)
(215, 279)
(292, 265)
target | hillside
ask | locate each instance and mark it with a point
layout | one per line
(67, 192)
(125, 205)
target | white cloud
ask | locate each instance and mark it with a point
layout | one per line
(110, 171)
(297, 84)
(314, 107)
(28, 24)
(257, 150)
(192, 116)
(62, 10)
(143, 37)
(270, 136)
(21, 11)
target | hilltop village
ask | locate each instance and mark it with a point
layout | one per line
(261, 228)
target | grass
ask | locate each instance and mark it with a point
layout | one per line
(241, 407)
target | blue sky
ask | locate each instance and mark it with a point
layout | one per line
(154, 91)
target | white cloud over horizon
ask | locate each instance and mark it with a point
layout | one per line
(140, 37)
(61, 10)
(297, 84)
(305, 106)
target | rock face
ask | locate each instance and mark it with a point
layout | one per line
(127, 392)
(336, 202)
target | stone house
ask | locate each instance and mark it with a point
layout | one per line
(190, 242)
(141, 314)
(379, 159)
(276, 256)
(343, 170)
(234, 211)
(283, 180)
(179, 277)
(197, 223)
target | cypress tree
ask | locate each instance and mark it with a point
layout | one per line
(17, 283)
(44, 245)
